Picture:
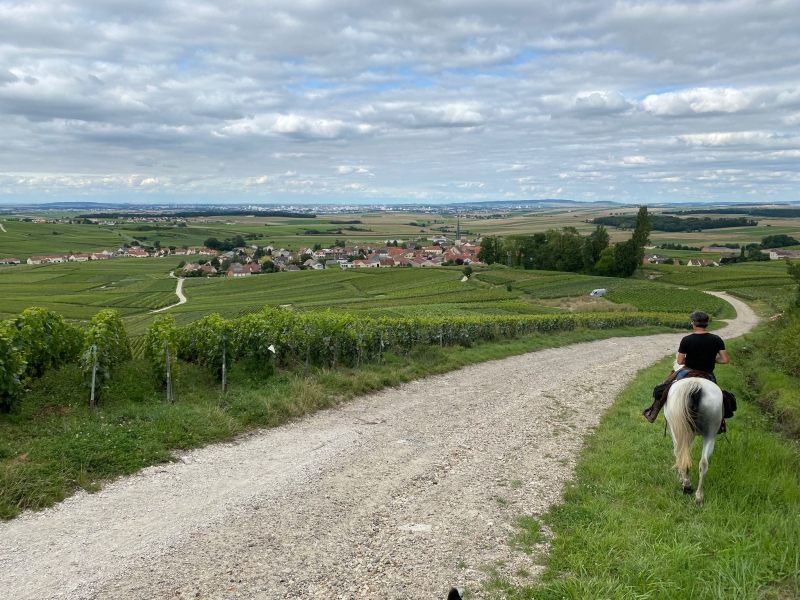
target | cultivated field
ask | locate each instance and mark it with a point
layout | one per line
(26, 239)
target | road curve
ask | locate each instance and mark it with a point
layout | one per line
(178, 292)
(399, 494)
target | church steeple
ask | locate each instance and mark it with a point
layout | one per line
(458, 231)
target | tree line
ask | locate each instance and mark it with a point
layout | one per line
(567, 250)
(674, 224)
(786, 213)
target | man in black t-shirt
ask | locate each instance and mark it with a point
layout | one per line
(699, 351)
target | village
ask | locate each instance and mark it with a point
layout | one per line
(253, 259)
(248, 260)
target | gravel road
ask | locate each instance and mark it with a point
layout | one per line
(399, 494)
(178, 293)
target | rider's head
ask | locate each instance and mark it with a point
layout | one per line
(699, 319)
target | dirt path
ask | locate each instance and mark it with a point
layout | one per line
(396, 495)
(178, 292)
(3, 229)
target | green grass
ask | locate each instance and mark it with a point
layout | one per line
(626, 530)
(768, 374)
(53, 445)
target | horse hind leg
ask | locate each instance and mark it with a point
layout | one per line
(700, 496)
(708, 449)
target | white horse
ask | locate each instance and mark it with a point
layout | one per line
(694, 407)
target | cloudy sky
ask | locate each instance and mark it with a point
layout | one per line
(346, 101)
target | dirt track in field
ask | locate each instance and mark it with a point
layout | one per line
(399, 494)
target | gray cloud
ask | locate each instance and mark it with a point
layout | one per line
(443, 100)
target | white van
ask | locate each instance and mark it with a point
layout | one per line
(599, 292)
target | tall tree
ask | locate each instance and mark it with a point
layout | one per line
(626, 259)
(641, 234)
(491, 249)
(628, 256)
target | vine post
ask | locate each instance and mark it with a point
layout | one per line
(224, 381)
(170, 398)
(94, 377)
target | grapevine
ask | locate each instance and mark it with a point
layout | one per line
(328, 338)
(106, 346)
(159, 334)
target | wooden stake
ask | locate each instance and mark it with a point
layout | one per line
(94, 378)
(224, 383)
(169, 374)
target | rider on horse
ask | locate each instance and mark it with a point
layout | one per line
(698, 354)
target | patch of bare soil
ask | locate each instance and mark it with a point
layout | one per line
(583, 304)
(400, 494)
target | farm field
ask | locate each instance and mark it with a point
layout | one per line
(137, 286)
(26, 239)
(22, 240)
(79, 290)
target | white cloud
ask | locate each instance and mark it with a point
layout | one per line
(727, 138)
(698, 100)
(411, 100)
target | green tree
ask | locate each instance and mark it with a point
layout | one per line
(757, 255)
(491, 250)
(468, 271)
(600, 241)
(606, 264)
(641, 234)
(626, 258)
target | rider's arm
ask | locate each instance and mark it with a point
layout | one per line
(681, 360)
(722, 358)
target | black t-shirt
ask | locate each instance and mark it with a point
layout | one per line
(701, 350)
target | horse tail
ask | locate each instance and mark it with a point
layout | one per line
(686, 397)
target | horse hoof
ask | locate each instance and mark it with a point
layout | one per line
(699, 501)
(688, 490)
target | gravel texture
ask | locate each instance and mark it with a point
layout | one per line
(400, 494)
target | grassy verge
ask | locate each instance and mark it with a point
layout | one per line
(53, 446)
(774, 390)
(625, 529)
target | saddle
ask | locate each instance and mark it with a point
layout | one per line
(661, 391)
